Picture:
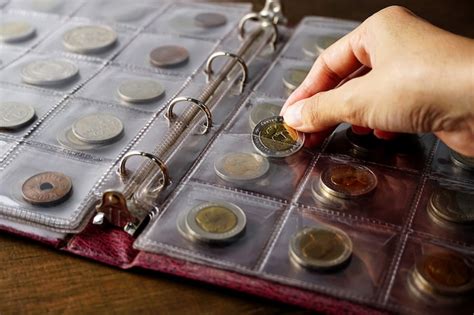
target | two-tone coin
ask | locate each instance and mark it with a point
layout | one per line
(15, 115)
(140, 90)
(273, 138)
(16, 31)
(49, 72)
(348, 181)
(262, 111)
(210, 20)
(168, 56)
(98, 128)
(89, 39)
(293, 77)
(213, 222)
(320, 248)
(452, 206)
(462, 161)
(314, 45)
(241, 166)
(47, 189)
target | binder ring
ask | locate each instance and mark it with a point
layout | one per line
(242, 63)
(169, 111)
(164, 170)
(257, 17)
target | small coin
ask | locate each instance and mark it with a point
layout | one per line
(49, 72)
(453, 206)
(16, 31)
(14, 115)
(348, 181)
(89, 39)
(320, 248)
(215, 222)
(47, 189)
(240, 166)
(292, 78)
(168, 56)
(68, 139)
(261, 111)
(273, 138)
(314, 45)
(443, 273)
(98, 128)
(140, 90)
(462, 161)
(210, 20)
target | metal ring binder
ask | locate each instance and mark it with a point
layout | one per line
(169, 111)
(164, 170)
(242, 63)
(264, 21)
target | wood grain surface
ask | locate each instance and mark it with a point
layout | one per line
(36, 279)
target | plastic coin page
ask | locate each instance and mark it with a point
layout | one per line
(51, 7)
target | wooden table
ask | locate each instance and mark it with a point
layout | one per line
(37, 279)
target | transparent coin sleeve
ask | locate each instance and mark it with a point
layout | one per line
(9, 55)
(57, 7)
(6, 145)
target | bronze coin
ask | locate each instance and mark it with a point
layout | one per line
(210, 20)
(168, 56)
(453, 206)
(348, 181)
(46, 189)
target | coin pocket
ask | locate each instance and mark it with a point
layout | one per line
(447, 163)
(244, 222)
(57, 7)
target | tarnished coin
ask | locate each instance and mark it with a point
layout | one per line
(49, 72)
(363, 144)
(98, 128)
(443, 273)
(210, 20)
(314, 45)
(240, 166)
(462, 161)
(262, 111)
(292, 78)
(273, 138)
(47, 189)
(169, 56)
(320, 248)
(89, 39)
(14, 115)
(140, 90)
(348, 181)
(16, 31)
(453, 206)
(215, 222)
(68, 139)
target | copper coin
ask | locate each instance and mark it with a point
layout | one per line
(47, 189)
(168, 56)
(348, 181)
(210, 20)
(453, 206)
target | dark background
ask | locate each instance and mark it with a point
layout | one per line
(37, 279)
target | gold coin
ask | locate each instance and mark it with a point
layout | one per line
(216, 219)
(348, 181)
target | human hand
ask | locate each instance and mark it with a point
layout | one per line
(410, 76)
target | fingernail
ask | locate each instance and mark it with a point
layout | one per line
(358, 130)
(293, 116)
(385, 135)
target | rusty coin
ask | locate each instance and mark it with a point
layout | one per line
(348, 181)
(47, 189)
(168, 56)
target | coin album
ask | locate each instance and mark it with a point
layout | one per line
(147, 134)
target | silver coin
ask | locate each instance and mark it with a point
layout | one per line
(452, 206)
(210, 19)
(292, 78)
(16, 31)
(168, 56)
(68, 139)
(49, 72)
(262, 111)
(462, 161)
(241, 166)
(215, 222)
(98, 128)
(14, 115)
(140, 90)
(89, 39)
(314, 45)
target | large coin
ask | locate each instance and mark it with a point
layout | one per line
(348, 181)
(168, 56)
(140, 90)
(89, 39)
(314, 45)
(320, 248)
(240, 166)
(292, 78)
(14, 115)
(215, 222)
(210, 20)
(68, 139)
(16, 31)
(47, 189)
(98, 128)
(262, 111)
(453, 206)
(443, 273)
(49, 72)
(273, 138)
(462, 161)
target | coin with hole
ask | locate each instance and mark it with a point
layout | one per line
(47, 188)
